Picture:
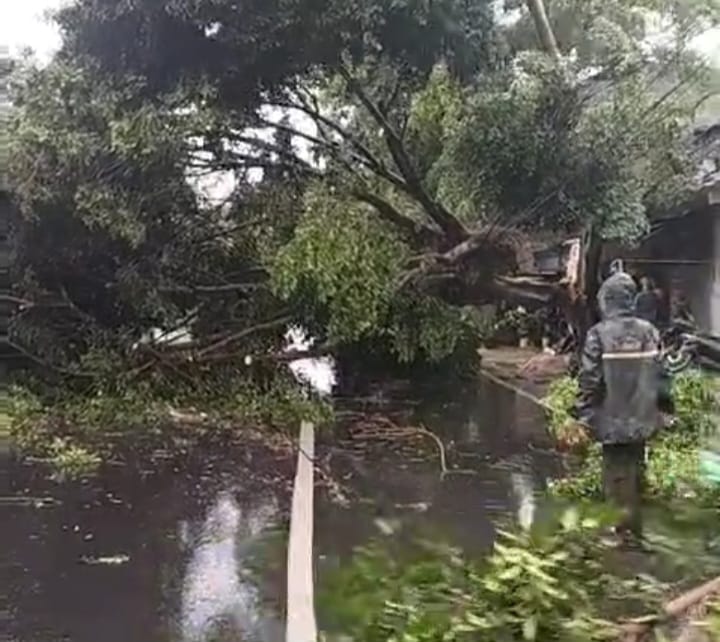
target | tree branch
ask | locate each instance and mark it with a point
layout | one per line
(416, 230)
(211, 289)
(413, 185)
(268, 325)
(7, 298)
(432, 264)
(543, 28)
(363, 153)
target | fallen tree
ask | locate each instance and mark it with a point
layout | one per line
(385, 169)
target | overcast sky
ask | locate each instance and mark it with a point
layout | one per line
(22, 24)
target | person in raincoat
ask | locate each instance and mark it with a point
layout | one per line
(622, 390)
(647, 302)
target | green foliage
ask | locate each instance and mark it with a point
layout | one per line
(73, 462)
(559, 401)
(110, 172)
(513, 324)
(80, 432)
(434, 110)
(712, 620)
(341, 270)
(428, 329)
(536, 139)
(545, 585)
(695, 402)
(499, 155)
(433, 139)
(673, 466)
(565, 430)
(275, 43)
(24, 411)
(282, 406)
(672, 472)
(598, 30)
(415, 150)
(341, 266)
(674, 459)
(585, 478)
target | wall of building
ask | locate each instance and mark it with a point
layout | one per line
(682, 258)
(715, 285)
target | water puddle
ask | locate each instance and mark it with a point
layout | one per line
(175, 563)
(199, 556)
(498, 460)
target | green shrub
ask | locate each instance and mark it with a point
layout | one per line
(673, 467)
(533, 586)
(77, 433)
(513, 324)
(712, 619)
(567, 433)
(559, 402)
(585, 480)
(71, 462)
(695, 403)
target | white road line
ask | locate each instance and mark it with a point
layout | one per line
(301, 626)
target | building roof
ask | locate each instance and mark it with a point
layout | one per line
(704, 188)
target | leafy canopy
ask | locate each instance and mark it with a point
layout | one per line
(388, 159)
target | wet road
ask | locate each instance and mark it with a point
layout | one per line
(193, 560)
(487, 431)
(200, 556)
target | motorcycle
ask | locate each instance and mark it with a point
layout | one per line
(683, 347)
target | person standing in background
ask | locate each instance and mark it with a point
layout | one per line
(622, 389)
(647, 302)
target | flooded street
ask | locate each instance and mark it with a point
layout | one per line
(178, 562)
(499, 460)
(199, 555)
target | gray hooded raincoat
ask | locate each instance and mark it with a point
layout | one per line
(622, 382)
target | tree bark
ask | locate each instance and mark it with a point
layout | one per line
(593, 258)
(412, 184)
(544, 30)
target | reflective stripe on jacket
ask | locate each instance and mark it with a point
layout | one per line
(621, 376)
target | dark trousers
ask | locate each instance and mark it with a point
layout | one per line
(623, 476)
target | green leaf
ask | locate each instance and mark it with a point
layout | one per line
(530, 628)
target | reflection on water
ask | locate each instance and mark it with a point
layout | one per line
(171, 562)
(522, 485)
(190, 546)
(499, 439)
(219, 594)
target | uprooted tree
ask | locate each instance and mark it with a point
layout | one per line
(388, 161)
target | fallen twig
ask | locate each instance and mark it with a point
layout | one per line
(636, 629)
(392, 430)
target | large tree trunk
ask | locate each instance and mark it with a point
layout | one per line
(593, 257)
(544, 30)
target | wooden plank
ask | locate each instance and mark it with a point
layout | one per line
(301, 625)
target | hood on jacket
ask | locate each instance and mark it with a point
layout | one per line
(617, 296)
